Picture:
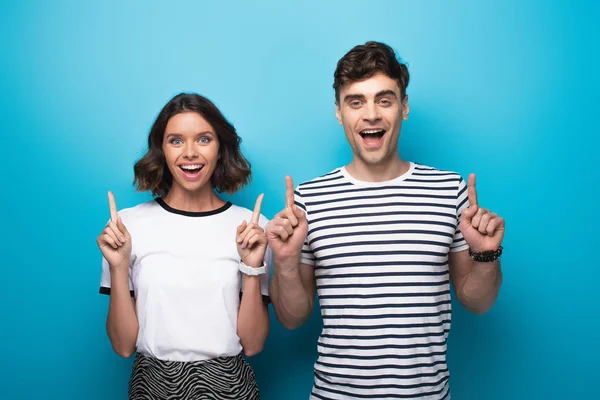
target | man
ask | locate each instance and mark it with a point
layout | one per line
(381, 239)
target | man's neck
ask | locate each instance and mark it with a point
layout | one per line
(377, 172)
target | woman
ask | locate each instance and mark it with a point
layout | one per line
(186, 272)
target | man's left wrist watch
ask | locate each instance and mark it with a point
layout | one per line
(485, 256)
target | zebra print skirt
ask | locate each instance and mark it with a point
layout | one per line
(221, 378)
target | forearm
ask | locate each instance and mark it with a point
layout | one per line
(253, 317)
(121, 323)
(292, 301)
(480, 287)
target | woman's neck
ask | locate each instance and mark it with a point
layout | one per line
(200, 201)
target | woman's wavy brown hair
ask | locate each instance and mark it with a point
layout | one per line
(232, 171)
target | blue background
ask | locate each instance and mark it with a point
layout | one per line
(507, 90)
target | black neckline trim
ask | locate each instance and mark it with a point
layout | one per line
(170, 209)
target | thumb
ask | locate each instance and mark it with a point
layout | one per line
(299, 213)
(469, 212)
(122, 228)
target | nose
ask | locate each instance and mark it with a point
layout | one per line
(190, 151)
(371, 113)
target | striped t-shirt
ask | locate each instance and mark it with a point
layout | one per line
(380, 253)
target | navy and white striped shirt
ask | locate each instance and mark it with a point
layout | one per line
(380, 253)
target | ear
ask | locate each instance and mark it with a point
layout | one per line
(405, 108)
(338, 113)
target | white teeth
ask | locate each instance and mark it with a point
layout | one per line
(190, 167)
(372, 131)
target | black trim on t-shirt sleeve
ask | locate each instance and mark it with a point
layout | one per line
(106, 290)
(265, 299)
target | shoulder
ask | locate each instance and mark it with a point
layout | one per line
(425, 172)
(140, 211)
(239, 213)
(330, 178)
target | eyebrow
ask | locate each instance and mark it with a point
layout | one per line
(350, 97)
(388, 92)
(179, 135)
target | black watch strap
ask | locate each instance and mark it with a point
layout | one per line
(485, 256)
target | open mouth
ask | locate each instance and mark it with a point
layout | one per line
(372, 133)
(372, 136)
(191, 171)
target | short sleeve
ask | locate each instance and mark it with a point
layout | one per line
(307, 256)
(462, 202)
(105, 279)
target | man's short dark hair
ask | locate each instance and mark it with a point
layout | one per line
(366, 60)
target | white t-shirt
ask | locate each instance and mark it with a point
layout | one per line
(185, 279)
